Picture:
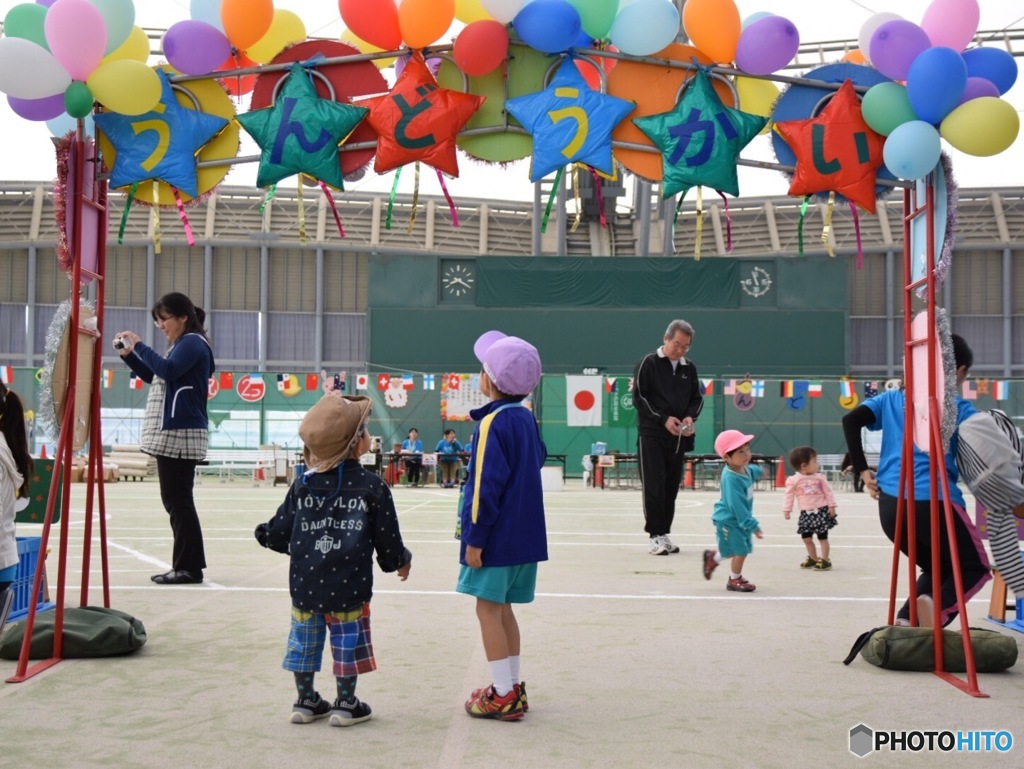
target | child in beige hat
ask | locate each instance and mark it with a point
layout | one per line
(333, 520)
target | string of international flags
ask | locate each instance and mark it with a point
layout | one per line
(253, 385)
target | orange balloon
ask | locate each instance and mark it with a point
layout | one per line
(422, 22)
(589, 71)
(655, 90)
(713, 26)
(246, 21)
(856, 56)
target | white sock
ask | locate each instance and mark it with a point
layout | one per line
(513, 666)
(733, 575)
(718, 557)
(501, 676)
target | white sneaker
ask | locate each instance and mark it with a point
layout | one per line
(658, 546)
(668, 544)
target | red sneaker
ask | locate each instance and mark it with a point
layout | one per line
(740, 585)
(485, 703)
(709, 563)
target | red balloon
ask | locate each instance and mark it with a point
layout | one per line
(481, 47)
(375, 21)
(238, 85)
(589, 71)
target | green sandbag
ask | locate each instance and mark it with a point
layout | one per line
(89, 631)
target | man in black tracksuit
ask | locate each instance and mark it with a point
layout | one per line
(666, 394)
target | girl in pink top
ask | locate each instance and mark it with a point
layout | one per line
(816, 503)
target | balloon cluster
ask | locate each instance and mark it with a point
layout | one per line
(938, 89)
(59, 56)
(231, 34)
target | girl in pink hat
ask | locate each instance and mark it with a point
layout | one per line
(734, 512)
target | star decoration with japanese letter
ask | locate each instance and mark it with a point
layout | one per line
(570, 123)
(161, 144)
(301, 132)
(418, 120)
(700, 139)
(836, 151)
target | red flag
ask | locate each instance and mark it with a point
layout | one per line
(383, 381)
(312, 381)
(227, 380)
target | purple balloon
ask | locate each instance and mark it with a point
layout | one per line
(195, 47)
(767, 45)
(45, 3)
(895, 45)
(38, 109)
(978, 87)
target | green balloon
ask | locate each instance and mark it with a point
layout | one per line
(27, 21)
(886, 106)
(596, 16)
(78, 99)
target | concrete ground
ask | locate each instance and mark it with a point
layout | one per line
(630, 660)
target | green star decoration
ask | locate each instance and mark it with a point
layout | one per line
(301, 132)
(700, 139)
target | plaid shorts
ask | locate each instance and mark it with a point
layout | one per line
(351, 642)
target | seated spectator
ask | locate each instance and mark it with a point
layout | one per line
(449, 459)
(414, 463)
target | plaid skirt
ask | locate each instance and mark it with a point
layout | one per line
(351, 642)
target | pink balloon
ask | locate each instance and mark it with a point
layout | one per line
(951, 23)
(77, 36)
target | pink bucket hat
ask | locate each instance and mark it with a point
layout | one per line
(730, 440)
(513, 364)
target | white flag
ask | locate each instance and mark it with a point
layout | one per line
(583, 401)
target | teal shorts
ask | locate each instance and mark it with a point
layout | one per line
(732, 540)
(500, 584)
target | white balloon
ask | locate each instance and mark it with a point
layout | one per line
(29, 71)
(502, 10)
(869, 27)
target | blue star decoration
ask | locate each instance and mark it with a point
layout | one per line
(161, 144)
(570, 123)
(700, 139)
(301, 132)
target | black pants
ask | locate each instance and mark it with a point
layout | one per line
(660, 461)
(973, 564)
(412, 470)
(177, 479)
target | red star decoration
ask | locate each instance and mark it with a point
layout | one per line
(418, 120)
(835, 151)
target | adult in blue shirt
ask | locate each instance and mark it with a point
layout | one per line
(449, 459)
(413, 446)
(885, 412)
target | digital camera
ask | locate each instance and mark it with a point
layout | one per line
(119, 343)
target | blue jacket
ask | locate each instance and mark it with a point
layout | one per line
(186, 370)
(503, 502)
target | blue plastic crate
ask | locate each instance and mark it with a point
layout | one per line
(28, 557)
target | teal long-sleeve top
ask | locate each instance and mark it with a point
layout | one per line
(736, 505)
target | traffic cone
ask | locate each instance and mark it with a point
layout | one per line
(780, 476)
(688, 477)
(42, 454)
(258, 476)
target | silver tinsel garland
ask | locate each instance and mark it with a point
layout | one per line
(54, 336)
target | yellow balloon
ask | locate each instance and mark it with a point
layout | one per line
(125, 86)
(468, 11)
(134, 48)
(285, 28)
(350, 38)
(983, 127)
(757, 97)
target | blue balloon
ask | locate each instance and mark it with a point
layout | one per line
(993, 64)
(935, 83)
(549, 26)
(912, 149)
(61, 125)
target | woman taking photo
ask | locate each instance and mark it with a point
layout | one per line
(174, 429)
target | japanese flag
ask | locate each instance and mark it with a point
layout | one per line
(583, 401)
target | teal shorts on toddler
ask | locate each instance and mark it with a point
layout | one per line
(499, 584)
(732, 540)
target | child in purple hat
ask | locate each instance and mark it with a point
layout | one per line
(503, 536)
(734, 512)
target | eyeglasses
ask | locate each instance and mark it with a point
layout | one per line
(157, 321)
